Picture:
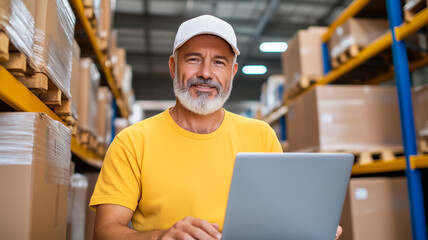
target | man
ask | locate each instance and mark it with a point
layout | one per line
(170, 174)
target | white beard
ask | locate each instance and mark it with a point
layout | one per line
(201, 104)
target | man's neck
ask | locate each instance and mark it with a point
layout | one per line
(202, 124)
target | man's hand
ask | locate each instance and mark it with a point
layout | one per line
(192, 228)
(338, 232)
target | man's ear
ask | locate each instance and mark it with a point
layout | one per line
(171, 64)
(235, 69)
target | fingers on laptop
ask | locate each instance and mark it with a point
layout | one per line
(338, 232)
(190, 228)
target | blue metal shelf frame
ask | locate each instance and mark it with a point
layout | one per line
(402, 78)
(326, 58)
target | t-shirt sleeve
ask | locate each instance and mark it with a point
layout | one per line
(119, 181)
(273, 143)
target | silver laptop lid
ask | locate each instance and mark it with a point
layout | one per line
(286, 196)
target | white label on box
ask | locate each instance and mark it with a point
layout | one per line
(339, 31)
(326, 118)
(361, 193)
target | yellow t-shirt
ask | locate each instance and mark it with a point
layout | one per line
(165, 173)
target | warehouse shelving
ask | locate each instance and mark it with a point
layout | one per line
(398, 164)
(19, 97)
(394, 38)
(100, 57)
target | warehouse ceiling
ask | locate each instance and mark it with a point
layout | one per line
(146, 28)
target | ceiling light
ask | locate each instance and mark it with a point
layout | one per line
(254, 69)
(273, 47)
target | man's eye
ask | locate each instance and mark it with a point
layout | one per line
(220, 63)
(192, 60)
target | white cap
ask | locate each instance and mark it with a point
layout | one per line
(205, 24)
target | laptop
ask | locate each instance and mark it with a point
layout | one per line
(295, 196)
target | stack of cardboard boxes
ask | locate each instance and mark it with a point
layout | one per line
(34, 149)
(350, 118)
(34, 176)
(302, 62)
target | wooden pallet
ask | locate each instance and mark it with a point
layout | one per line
(370, 156)
(423, 146)
(87, 138)
(38, 83)
(351, 52)
(413, 7)
(294, 90)
(4, 46)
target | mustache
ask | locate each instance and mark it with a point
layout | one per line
(199, 80)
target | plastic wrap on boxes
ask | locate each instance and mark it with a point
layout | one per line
(89, 82)
(77, 213)
(27, 138)
(53, 41)
(75, 71)
(18, 23)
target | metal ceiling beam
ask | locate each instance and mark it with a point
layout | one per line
(172, 22)
(264, 19)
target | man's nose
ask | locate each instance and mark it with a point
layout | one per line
(205, 70)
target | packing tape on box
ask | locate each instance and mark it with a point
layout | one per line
(18, 23)
(31, 138)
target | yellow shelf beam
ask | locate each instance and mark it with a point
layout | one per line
(399, 164)
(80, 13)
(349, 12)
(390, 74)
(419, 161)
(16, 95)
(380, 44)
(420, 20)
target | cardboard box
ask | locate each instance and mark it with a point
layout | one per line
(119, 65)
(34, 176)
(303, 57)
(356, 31)
(376, 208)
(344, 118)
(89, 81)
(104, 17)
(77, 214)
(53, 41)
(420, 96)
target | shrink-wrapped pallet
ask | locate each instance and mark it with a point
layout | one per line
(17, 20)
(53, 41)
(34, 176)
(345, 118)
(89, 81)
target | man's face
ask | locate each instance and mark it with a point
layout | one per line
(203, 71)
